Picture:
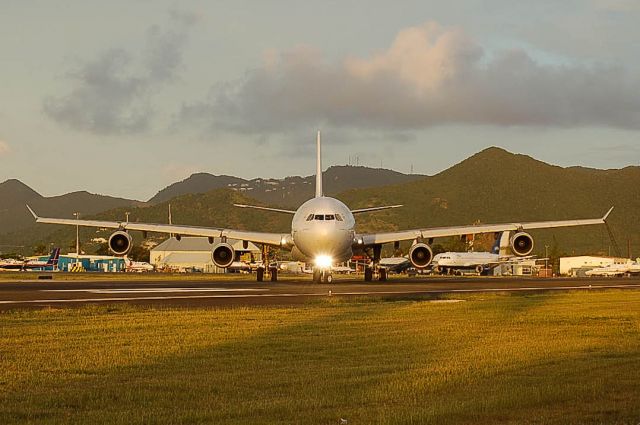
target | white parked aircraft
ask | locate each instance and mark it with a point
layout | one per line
(448, 262)
(323, 232)
(138, 266)
(612, 270)
(453, 262)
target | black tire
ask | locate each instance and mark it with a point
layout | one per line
(328, 278)
(260, 274)
(383, 275)
(317, 276)
(273, 271)
(368, 274)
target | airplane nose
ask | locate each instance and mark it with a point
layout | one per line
(327, 241)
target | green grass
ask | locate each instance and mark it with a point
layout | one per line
(13, 276)
(141, 277)
(550, 358)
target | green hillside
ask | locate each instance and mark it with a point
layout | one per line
(15, 218)
(496, 186)
(214, 209)
(492, 186)
(290, 191)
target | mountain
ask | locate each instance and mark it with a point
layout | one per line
(14, 195)
(496, 186)
(492, 186)
(202, 209)
(290, 191)
(196, 183)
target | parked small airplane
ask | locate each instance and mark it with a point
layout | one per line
(323, 233)
(612, 270)
(52, 262)
(138, 266)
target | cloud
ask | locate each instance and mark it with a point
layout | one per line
(429, 76)
(4, 148)
(111, 94)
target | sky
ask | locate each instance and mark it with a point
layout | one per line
(126, 97)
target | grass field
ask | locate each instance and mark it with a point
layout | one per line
(548, 358)
(11, 276)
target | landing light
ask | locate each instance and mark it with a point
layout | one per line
(324, 261)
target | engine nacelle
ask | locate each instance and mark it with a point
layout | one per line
(223, 255)
(521, 244)
(420, 255)
(120, 242)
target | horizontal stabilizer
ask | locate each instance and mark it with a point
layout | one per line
(607, 214)
(255, 207)
(364, 210)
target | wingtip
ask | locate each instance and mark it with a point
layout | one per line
(607, 214)
(32, 212)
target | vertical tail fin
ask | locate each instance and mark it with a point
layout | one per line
(54, 257)
(504, 249)
(318, 168)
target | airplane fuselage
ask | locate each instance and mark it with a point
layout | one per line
(323, 227)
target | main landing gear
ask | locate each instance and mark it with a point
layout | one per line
(370, 272)
(322, 276)
(273, 274)
(373, 269)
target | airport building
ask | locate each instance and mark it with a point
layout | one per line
(194, 254)
(89, 263)
(523, 267)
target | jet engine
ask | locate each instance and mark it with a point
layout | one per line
(420, 255)
(521, 244)
(120, 242)
(223, 255)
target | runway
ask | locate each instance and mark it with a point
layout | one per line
(185, 293)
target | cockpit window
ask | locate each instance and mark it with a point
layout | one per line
(339, 217)
(319, 217)
(329, 217)
(310, 217)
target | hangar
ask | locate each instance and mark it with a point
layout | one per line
(194, 254)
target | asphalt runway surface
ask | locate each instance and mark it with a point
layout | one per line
(185, 293)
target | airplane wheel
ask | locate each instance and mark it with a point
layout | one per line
(274, 274)
(317, 276)
(368, 274)
(328, 278)
(260, 274)
(383, 275)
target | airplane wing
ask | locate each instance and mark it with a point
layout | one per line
(436, 232)
(276, 239)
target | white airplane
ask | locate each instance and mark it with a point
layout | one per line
(138, 266)
(452, 261)
(323, 233)
(52, 263)
(613, 270)
(447, 262)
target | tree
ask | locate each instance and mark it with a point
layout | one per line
(40, 249)
(139, 253)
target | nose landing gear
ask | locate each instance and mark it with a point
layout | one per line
(322, 276)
